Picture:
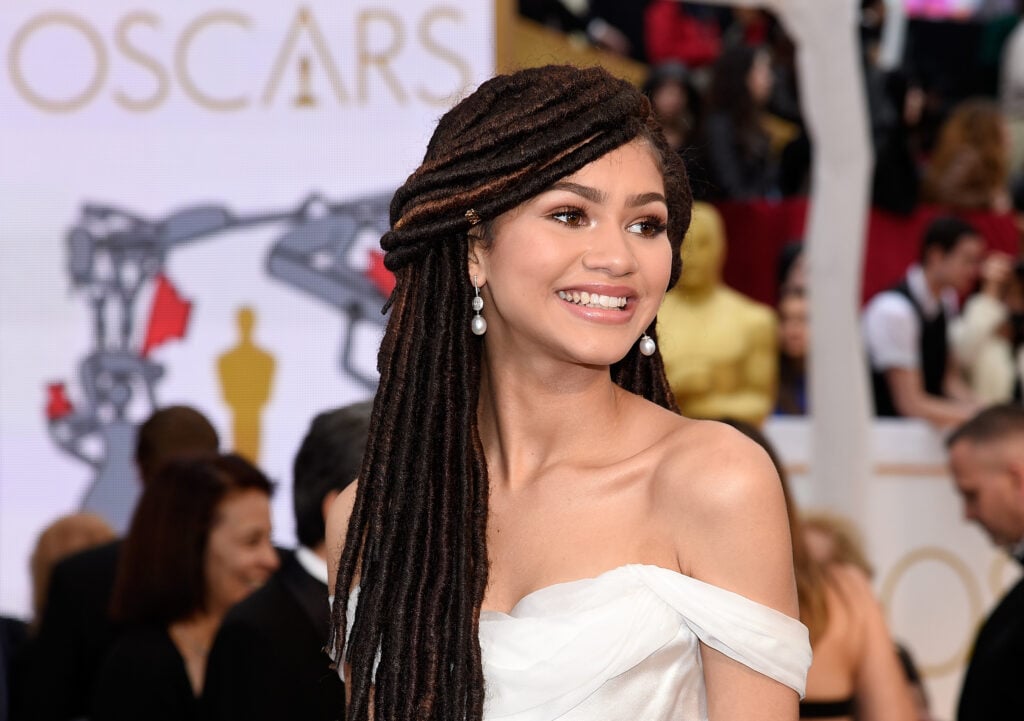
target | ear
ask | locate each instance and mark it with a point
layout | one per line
(475, 264)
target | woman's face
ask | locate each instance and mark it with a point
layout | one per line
(759, 79)
(239, 555)
(793, 325)
(579, 271)
(669, 100)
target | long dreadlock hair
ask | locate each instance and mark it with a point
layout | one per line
(417, 533)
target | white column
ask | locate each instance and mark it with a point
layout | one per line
(835, 114)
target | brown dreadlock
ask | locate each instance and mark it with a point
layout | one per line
(418, 528)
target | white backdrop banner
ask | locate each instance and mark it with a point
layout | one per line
(192, 200)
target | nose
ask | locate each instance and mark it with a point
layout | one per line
(610, 251)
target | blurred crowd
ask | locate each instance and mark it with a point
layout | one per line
(946, 121)
(947, 127)
(194, 613)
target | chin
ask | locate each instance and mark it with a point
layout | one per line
(604, 359)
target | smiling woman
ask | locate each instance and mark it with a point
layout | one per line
(198, 544)
(589, 249)
(536, 532)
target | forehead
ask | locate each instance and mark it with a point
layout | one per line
(245, 506)
(975, 459)
(969, 244)
(637, 153)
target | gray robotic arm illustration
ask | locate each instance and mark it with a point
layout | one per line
(113, 254)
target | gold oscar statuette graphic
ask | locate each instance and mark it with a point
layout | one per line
(304, 98)
(718, 345)
(246, 374)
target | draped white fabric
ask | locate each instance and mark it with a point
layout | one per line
(626, 645)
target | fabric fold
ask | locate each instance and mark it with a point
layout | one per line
(626, 644)
(556, 649)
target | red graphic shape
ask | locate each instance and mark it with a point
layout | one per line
(57, 403)
(168, 317)
(380, 276)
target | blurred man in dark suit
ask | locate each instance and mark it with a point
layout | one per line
(268, 661)
(986, 456)
(57, 674)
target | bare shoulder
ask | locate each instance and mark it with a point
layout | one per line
(728, 513)
(713, 468)
(337, 528)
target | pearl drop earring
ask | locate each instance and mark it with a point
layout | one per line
(647, 345)
(479, 324)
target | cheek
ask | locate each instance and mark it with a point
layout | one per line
(991, 507)
(227, 561)
(659, 260)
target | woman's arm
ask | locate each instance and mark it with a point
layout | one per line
(736, 537)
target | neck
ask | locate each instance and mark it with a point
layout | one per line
(532, 418)
(931, 280)
(792, 365)
(198, 629)
(193, 637)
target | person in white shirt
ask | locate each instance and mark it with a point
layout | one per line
(913, 371)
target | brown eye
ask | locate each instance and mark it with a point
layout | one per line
(648, 227)
(573, 217)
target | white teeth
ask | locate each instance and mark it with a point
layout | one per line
(592, 300)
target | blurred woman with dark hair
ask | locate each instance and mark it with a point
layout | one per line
(740, 157)
(677, 105)
(199, 543)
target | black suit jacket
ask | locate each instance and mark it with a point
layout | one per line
(992, 686)
(268, 662)
(58, 669)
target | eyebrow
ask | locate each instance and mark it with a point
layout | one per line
(635, 201)
(584, 191)
(597, 196)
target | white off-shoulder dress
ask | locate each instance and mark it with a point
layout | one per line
(625, 645)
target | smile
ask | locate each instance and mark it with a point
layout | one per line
(593, 300)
